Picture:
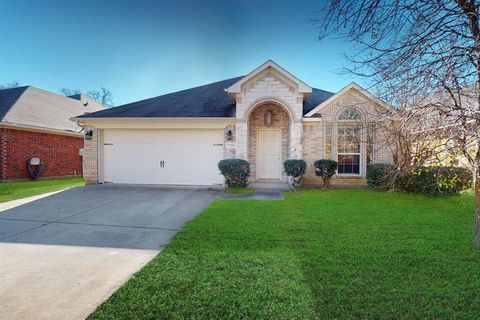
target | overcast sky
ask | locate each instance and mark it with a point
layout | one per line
(144, 49)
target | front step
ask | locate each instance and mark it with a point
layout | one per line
(269, 185)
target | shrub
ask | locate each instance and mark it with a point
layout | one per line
(325, 169)
(380, 176)
(235, 171)
(436, 180)
(295, 168)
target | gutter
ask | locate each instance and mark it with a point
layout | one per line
(121, 119)
(26, 127)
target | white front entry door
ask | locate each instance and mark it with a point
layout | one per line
(268, 154)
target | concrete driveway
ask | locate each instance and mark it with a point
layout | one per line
(63, 255)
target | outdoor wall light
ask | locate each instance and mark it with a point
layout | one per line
(88, 134)
(268, 119)
(229, 135)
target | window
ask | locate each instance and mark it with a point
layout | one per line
(370, 145)
(350, 114)
(348, 140)
(328, 141)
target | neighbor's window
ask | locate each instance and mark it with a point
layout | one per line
(350, 114)
(348, 141)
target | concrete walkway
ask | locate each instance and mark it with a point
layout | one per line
(63, 255)
(258, 195)
(16, 203)
(62, 282)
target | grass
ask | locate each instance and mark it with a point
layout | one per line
(236, 190)
(22, 189)
(333, 254)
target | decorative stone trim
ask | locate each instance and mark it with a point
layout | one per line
(271, 76)
(269, 100)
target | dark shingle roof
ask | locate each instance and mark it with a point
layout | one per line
(36, 107)
(315, 98)
(209, 100)
(8, 97)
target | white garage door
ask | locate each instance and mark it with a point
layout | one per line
(187, 157)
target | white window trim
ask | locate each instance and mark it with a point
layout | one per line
(349, 108)
(362, 151)
(333, 137)
(374, 146)
(359, 165)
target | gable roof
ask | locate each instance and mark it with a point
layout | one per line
(206, 101)
(30, 106)
(340, 93)
(237, 86)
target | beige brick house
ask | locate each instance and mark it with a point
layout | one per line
(265, 117)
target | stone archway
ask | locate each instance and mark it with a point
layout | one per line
(268, 143)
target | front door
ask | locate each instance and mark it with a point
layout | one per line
(268, 154)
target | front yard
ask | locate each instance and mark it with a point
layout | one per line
(21, 189)
(343, 254)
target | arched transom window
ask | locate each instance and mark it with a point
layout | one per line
(351, 114)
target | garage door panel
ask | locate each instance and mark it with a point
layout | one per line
(162, 136)
(187, 157)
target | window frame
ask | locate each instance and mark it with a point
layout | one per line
(332, 126)
(359, 154)
(349, 108)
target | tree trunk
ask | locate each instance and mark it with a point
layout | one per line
(477, 213)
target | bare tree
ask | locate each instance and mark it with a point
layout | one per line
(103, 95)
(424, 57)
(13, 84)
(69, 92)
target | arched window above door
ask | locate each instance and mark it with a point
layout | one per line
(350, 114)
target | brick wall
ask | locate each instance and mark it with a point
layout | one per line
(91, 158)
(229, 146)
(59, 153)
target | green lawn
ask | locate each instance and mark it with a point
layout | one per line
(21, 189)
(335, 254)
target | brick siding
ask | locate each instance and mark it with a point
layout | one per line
(229, 146)
(91, 157)
(59, 153)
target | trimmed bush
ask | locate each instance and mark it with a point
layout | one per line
(380, 176)
(235, 171)
(436, 180)
(326, 169)
(295, 168)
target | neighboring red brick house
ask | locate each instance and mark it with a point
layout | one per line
(36, 123)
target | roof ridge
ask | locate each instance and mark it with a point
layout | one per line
(50, 92)
(323, 90)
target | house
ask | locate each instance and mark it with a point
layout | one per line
(35, 123)
(265, 117)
